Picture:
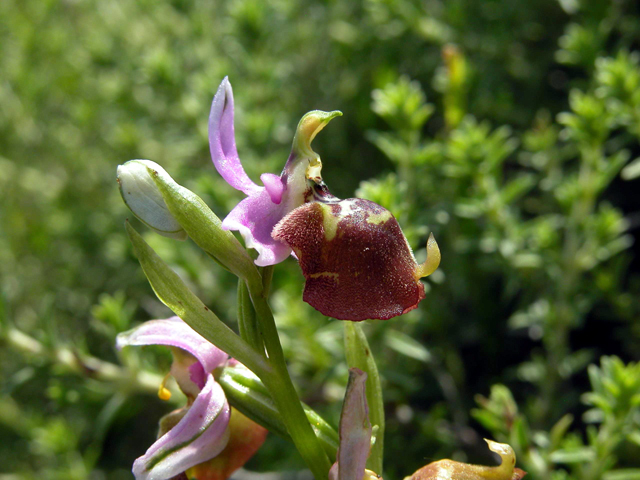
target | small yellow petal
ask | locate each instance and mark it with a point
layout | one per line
(433, 259)
(163, 392)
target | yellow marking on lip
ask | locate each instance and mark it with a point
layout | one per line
(329, 222)
(333, 275)
(378, 218)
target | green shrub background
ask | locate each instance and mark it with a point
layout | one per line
(509, 128)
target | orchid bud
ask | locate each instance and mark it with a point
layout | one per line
(142, 196)
(355, 258)
(465, 471)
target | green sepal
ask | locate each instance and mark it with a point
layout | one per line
(248, 394)
(359, 356)
(171, 290)
(204, 227)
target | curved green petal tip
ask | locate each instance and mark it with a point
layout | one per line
(308, 127)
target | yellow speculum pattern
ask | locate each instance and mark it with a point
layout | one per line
(333, 275)
(378, 218)
(329, 222)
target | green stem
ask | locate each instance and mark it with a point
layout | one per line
(267, 276)
(247, 322)
(282, 390)
(246, 392)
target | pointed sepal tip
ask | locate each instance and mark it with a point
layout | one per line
(432, 262)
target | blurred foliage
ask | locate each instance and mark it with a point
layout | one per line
(505, 127)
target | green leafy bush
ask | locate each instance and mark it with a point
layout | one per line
(515, 163)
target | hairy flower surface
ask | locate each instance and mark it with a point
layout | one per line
(355, 259)
(207, 439)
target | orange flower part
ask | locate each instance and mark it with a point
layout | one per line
(245, 438)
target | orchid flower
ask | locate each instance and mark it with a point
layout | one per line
(206, 439)
(255, 216)
(356, 261)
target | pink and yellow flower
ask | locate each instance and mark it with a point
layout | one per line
(355, 259)
(207, 438)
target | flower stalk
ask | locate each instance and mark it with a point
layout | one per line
(272, 371)
(282, 390)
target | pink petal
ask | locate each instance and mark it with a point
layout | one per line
(197, 375)
(222, 142)
(245, 438)
(175, 333)
(275, 187)
(254, 217)
(199, 436)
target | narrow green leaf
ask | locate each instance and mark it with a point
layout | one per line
(359, 355)
(623, 474)
(407, 346)
(577, 455)
(172, 291)
(634, 437)
(632, 170)
(517, 188)
(520, 434)
(560, 429)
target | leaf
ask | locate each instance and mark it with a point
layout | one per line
(559, 430)
(623, 474)
(632, 170)
(407, 346)
(489, 421)
(171, 290)
(516, 188)
(578, 455)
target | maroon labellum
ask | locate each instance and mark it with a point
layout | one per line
(355, 258)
